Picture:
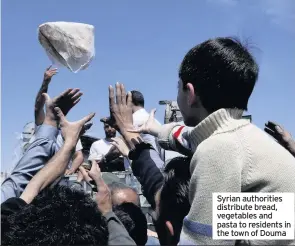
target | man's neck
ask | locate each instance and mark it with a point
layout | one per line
(136, 108)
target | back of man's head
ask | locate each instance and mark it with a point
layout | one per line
(134, 221)
(58, 216)
(137, 99)
(174, 196)
(222, 72)
(122, 193)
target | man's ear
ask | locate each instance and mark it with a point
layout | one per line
(170, 228)
(191, 94)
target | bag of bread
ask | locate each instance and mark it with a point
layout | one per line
(68, 44)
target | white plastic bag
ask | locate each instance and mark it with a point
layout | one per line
(68, 44)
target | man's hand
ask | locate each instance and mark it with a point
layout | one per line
(103, 196)
(85, 174)
(80, 177)
(113, 153)
(57, 165)
(71, 131)
(281, 135)
(69, 172)
(40, 100)
(49, 73)
(120, 109)
(121, 113)
(150, 127)
(65, 101)
(121, 146)
(77, 161)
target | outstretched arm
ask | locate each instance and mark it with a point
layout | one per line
(170, 136)
(118, 233)
(145, 158)
(77, 162)
(58, 163)
(40, 101)
(42, 149)
(37, 154)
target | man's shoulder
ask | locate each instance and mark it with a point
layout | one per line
(249, 138)
(220, 142)
(140, 114)
(100, 142)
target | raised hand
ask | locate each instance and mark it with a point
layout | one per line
(65, 101)
(120, 109)
(113, 154)
(103, 196)
(40, 99)
(71, 131)
(69, 172)
(57, 165)
(85, 174)
(49, 73)
(121, 146)
(281, 135)
(150, 127)
(121, 114)
(80, 177)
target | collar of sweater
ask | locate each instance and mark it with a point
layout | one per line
(221, 121)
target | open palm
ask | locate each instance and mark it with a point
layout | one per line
(149, 127)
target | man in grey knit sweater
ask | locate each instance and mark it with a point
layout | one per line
(230, 154)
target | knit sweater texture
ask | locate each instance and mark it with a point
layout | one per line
(229, 155)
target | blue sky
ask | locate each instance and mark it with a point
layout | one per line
(141, 43)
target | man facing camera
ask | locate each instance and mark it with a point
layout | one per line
(104, 153)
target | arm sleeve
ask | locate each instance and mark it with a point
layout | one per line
(118, 235)
(145, 168)
(37, 154)
(79, 145)
(215, 167)
(175, 137)
(94, 153)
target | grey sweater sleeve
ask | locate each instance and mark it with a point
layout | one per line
(175, 137)
(118, 235)
(165, 139)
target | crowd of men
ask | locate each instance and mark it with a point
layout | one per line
(221, 152)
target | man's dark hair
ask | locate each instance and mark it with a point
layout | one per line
(137, 98)
(174, 197)
(222, 71)
(57, 216)
(134, 221)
